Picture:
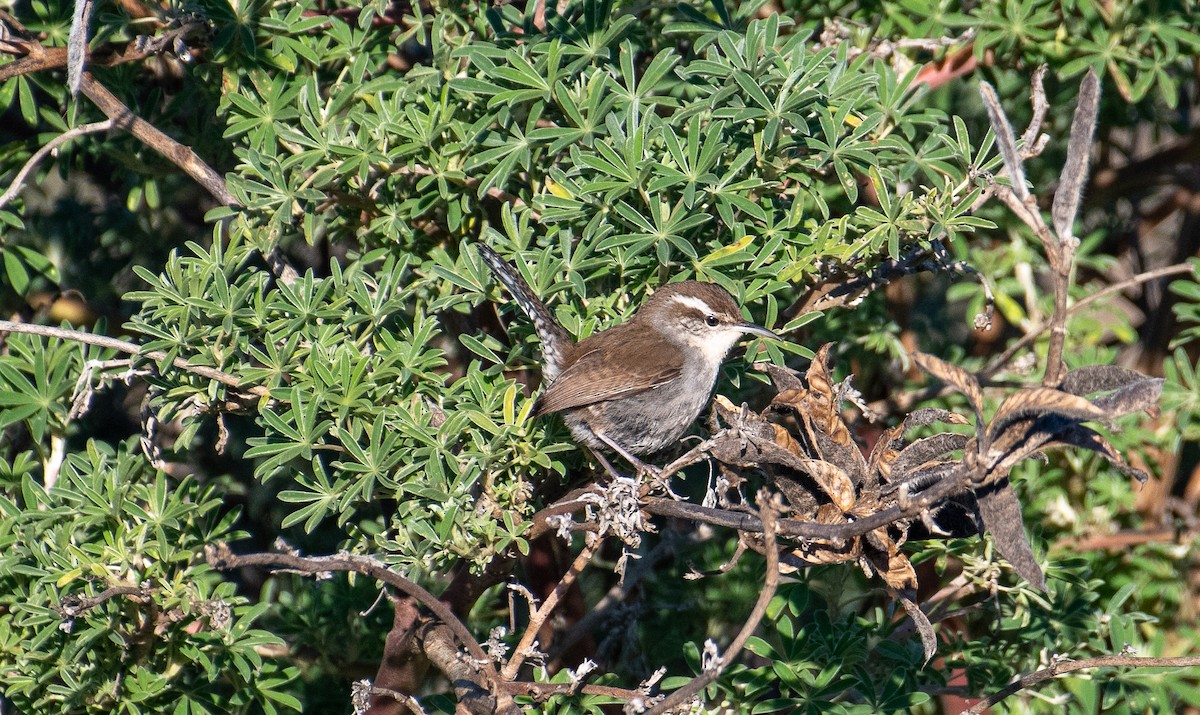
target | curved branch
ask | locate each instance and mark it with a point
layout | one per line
(767, 510)
(177, 153)
(129, 348)
(18, 182)
(1070, 666)
(539, 617)
(72, 606)
(222, 558)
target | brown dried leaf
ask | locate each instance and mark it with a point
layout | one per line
(829, 477)
(928, 415)
(782, 377)
(894, 567)
(923, 476)
(954, 376)
(792, 399)
(883, 455)
(784, 439)
(1087, 438)
(724, 403)
(1020, 439)
(1091, 379)
(822, 404)
(1043, 401)
(925, 450)
(890, 444)
(833, 481)
(823, 434)
(1141, 395)
(1001, 514)
(817, 551)
(921, 621)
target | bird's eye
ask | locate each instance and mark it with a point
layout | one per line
(711, 321)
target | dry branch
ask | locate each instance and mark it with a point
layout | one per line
(178, 154)
(998, 364)
(18, 181)
(123, 346)
(1070, 666)
(220, 557)
(769, 507)
(543, 612)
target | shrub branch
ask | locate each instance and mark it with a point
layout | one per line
(1070, 666)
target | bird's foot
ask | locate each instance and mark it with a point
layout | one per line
(649, 476)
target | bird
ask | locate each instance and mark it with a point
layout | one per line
(635, 388)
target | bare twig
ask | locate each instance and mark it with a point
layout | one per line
(362, 690)
(1070, 666)
(645, 566)
(177, 153)
(9, 19)
(543, 690)
(18, 181)
(39, 58)
(828, 293)
(543, 612)
(220, 557)
(768, 511)
(72, 606)
(123, 346)
(1026, 340)
(544, 521)
(1060, 248)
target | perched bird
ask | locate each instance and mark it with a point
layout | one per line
(635, 388)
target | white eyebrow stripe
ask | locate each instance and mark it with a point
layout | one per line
(693, 302)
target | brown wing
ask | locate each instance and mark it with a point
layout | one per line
(619, 370)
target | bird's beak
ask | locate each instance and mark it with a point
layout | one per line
(753, 329)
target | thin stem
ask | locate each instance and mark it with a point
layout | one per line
(1026, 340)
(768, 514)
(104, 341)
(539, 617)
(19, 181)
(220, 557)
(1070, 666)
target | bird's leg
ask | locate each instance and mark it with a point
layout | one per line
(639, 465)
(608, 467)
(653, 473)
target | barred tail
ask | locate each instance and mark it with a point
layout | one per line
(555, 339)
